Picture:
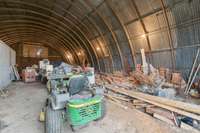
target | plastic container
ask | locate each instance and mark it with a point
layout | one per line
(82, 111)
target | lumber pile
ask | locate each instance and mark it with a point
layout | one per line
(150, 80)
(150, 83)
(167, 110)
(117, 79)
(162, 84)
(123, 91)
(143, 79)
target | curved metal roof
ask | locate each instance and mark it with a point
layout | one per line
(109, 32)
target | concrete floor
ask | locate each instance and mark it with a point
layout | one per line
(20, 110)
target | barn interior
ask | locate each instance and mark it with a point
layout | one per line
(104, 66)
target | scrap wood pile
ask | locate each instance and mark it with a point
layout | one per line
(133, 91)
(160, 82)
(117, 79)
(152, 90)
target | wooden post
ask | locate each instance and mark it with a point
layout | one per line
(195, 74)
(193, 66)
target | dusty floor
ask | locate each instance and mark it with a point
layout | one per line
(19, 114)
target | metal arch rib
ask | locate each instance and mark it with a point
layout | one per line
(62, 24)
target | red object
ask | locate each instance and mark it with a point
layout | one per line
(138, 67)
(28, 75)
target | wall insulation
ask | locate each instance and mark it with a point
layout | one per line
(7, 58)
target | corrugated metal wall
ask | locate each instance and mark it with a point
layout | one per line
(168, 30)
(185, 16)
(148, 28)
(110, 32)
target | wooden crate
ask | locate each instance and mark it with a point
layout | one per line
(28, 75)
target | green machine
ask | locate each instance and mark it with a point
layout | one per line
(73, 101)
(58, 81)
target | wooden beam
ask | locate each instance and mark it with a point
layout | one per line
(174, 106)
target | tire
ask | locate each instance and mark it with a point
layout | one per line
(54, 122)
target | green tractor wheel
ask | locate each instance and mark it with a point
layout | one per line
(54, 121)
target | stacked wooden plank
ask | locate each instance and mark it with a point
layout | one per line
(15, 72)
(182, 108)
(161, 108)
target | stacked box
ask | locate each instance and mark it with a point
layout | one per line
(29, 75)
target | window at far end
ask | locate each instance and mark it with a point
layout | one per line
(34, 51)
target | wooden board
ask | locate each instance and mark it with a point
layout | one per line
(160, 111)
(162, 118)
(162, 105)
(177, 104)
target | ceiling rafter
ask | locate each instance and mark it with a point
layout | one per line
(65, 25)
(111, 31)
(40, 30)
(133, 55)
(169, 35)
(94, 25)
(38, 25)
(7, 36)
(143, 27)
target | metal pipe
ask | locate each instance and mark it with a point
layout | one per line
(191, 73)
(195, 74)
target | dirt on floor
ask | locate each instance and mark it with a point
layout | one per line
(19, 113)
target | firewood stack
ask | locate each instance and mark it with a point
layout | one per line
(156, 79)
